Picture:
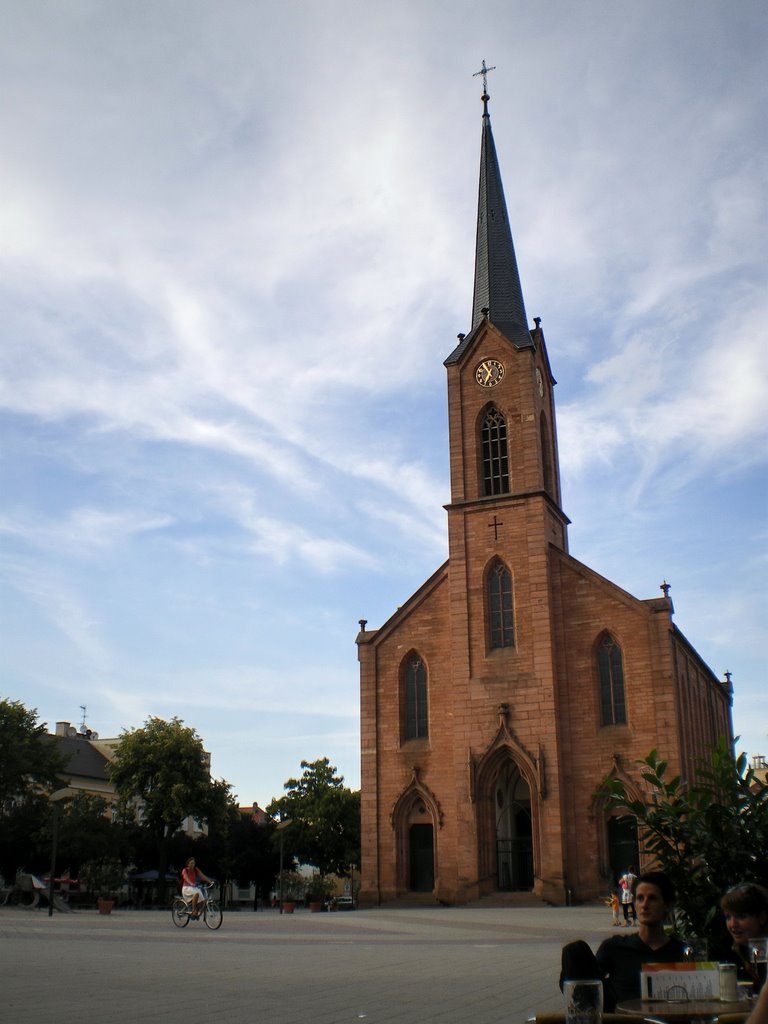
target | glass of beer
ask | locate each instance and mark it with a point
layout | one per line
(758, 954)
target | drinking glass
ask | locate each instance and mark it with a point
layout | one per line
(758, 954)
(583, 1001)
(695, 949)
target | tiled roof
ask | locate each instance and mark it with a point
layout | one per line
(85, 761)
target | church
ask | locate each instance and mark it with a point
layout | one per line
(499, 695)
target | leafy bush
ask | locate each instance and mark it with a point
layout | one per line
(319, 888)
(102, 877)
(707, 835)
(294, 886)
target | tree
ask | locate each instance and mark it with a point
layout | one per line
(24, 836)
(322, 819)
(161, 775)
(29, 760)
(30, 766)
(243, 852)
(707, 835)
(87, 833)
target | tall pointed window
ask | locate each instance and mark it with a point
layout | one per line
(501, 612)
(611, 673)
(495, 455)
(415, 724)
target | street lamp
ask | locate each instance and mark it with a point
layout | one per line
(55, 798)
(281, 826)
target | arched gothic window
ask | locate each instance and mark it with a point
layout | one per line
(501, 610)
(610, 669)
(495, 456)
(416, 723)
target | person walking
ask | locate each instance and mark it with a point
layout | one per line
(627, 889)
(613, 903)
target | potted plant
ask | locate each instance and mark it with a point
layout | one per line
(319, 889)
(291, 886)
(103, 877)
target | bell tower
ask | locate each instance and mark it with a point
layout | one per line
(503, 436)
(504, 520)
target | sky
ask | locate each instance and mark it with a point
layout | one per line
(236, 245)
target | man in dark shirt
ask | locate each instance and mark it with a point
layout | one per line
(619, 959)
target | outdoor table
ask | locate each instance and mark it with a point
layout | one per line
(682, 1009)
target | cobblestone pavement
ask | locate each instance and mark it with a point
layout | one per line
(411, 966)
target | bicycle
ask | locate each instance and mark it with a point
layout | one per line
(208, 909)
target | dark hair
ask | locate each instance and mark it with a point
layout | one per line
(662, 882)
(747, 898)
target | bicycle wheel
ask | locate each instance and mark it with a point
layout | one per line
(212, 915)
(180, 912)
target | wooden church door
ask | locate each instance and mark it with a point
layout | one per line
(622, 846)
(421, 858)
(514, 832)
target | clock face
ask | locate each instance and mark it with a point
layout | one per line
(489, 373)
(539, 382)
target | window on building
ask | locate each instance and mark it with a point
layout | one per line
(495, 455)
(416, 720)
(501, 611)
(610, 668)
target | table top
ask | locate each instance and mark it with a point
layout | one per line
(677, 1010)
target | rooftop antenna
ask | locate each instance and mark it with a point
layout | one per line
(84, 709)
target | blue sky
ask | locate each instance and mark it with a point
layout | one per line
(236, 244)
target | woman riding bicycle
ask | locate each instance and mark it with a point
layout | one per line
(191, 877)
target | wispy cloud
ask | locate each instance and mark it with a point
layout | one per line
(85, 531)
(62, 606)
(227, 291)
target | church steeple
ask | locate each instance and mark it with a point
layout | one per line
(497, 281)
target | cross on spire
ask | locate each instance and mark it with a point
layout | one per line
(484, 72)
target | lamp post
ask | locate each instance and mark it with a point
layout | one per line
(55, 798)
(282, 844)
(280, 828)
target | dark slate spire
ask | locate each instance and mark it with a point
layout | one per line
(497, 281)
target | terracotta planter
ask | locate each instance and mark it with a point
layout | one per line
(105, 906)
(315, 907)
(288, 907)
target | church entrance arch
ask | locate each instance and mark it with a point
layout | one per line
(622, 846)
(416, 819)
(514, 831)
(507, 794)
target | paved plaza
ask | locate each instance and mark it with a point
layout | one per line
(410, 966)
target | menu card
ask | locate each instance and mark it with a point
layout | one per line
(694, 980)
